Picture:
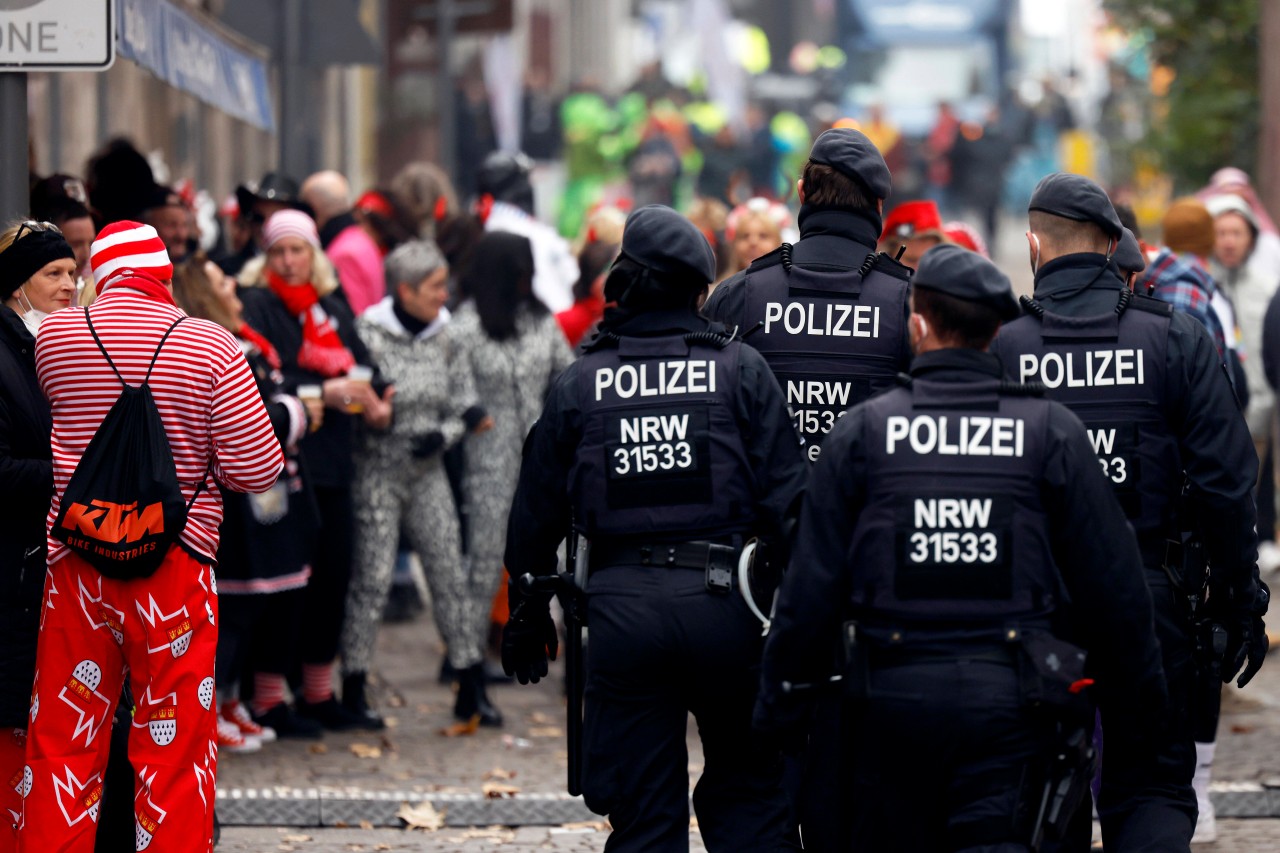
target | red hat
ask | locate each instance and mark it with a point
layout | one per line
(964, 234)
(128, 247)
(911, 219)
(376, 203)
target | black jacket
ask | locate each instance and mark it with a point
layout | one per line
(1100, 570)
(1218, 458)
(540, 510)
(831, 240)
(328, 451)
(266, 540)
(26, 470)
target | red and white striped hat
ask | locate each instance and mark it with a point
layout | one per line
(127, 246)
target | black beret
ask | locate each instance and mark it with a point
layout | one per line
(1128, 255)
(958, 272)
(1076, 197)
(657, 237)
(851, 153)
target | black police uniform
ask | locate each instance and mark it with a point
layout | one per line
(944, 519)
(828, 313)
(1148, 384)
(666, 446)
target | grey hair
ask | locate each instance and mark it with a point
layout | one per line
(411, 262)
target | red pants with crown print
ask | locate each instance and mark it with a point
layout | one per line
(162, 631)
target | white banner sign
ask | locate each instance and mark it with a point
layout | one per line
(57, 35)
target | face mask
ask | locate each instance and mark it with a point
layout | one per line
(31, 318)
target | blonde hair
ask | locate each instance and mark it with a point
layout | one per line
(324, 278)
(7, 236)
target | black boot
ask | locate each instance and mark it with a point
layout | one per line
(473, 700)
(448, 674)
(353, 698)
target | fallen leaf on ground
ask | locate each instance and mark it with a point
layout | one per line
(391, 722)
(387, 744)
(395, 700)
(317, 749)
(421, 816)
(366, 824)
(1238, 729)
(583, 828)
(540, 719)
(364, 750)
(295, 839)
(546, 731)
(382, 847)
(470, 727)
(491, 834)
(498, 790)
(500, 773)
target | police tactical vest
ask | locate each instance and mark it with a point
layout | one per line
(661, 452)
(954, 534)
(832, 338)
(1110, 370)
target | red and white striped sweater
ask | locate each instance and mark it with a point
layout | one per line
(201, 383)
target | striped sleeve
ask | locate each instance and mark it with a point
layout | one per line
(247, 455)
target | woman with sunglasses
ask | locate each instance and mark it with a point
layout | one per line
(37, 268)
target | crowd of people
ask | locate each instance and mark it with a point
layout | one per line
(358, 387)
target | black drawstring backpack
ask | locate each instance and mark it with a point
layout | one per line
(123, 508)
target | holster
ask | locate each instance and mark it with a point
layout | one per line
(1051, 675)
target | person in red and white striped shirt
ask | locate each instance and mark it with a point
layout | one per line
(161, 629)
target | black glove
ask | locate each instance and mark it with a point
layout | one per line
(426, 446)
(1246, 640)
(529, 639)
(780, 722)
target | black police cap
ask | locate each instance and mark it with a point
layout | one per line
(851, 153)
(657, 237)
(1076, 197)
(1128, 255)
(958, 272)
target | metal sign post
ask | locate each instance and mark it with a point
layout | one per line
(14, 176)
(42, 35)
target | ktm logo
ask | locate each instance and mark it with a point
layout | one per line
(114, 523)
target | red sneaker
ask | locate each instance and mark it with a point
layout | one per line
(235, 712)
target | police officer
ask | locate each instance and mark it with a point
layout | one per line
(667, 445)
(829, 313)
(1148, 384)
(942, 526)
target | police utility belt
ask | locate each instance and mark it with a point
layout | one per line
(717, 561)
